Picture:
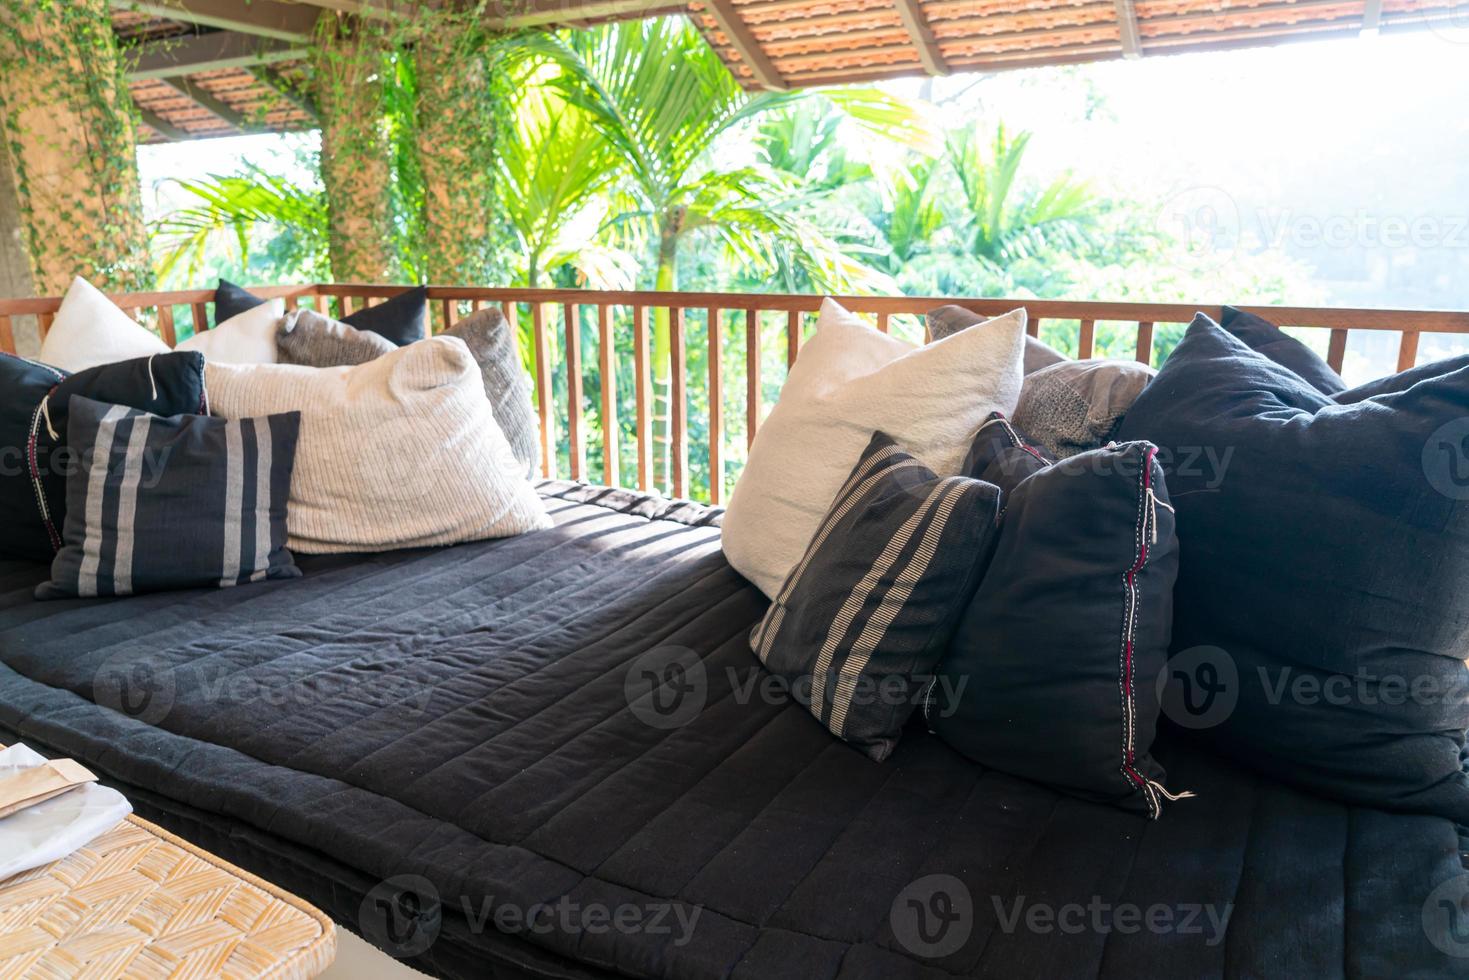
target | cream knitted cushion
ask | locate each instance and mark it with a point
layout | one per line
(399, 452)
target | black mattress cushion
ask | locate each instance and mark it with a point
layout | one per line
(862, 618)
(168, 503)
(1401, 381)
(34, 400)
(1264, 337)
(231, 300)
(1321, 626)
(453, 723)
(402, 319)
(1052, 671)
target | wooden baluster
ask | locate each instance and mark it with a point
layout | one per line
(511, 313)
(793, 336)
(606, 354)
(1087, 344)
(677, 402)
(291, 304)
(7, 335)
(1033, 327)
(201, 318)
(716, 407)
(165, 324)
(543, 391)
(1408, 350)
(43, 323)
(346, 302)
(882, 322)
(451, 311)
(479, 304)
(1336, 350)
(572, 319)
(752, 375)
(642, 386)
(1145, 343)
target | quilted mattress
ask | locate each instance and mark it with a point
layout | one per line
(554, 756)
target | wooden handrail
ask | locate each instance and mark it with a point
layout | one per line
(669, 407)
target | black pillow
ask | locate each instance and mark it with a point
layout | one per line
(231, 300)
(1051, 672)
(1401, 381)
(860, 621)
(1266, 338)
(1002, 455)
(402, 319)
(1321, 623)
(170, 503)
(34, 454)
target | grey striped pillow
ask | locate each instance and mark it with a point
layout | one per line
(863, 618)
(166, 503)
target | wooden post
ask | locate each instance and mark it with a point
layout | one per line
(752, 375)
(544, 408)
(607, 358)
(643, 381)
(716, 408)
(679, 402)
(574, 431)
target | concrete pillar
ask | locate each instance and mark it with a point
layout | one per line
(355, 165)
(15, 262)
(69, 121)
(455, 138)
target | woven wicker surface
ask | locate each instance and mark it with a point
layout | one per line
(139, 902)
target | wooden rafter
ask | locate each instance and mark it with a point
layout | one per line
(1132, 44)
(923, 40)
(286, 89)
(738, 34)
(173, 57)
(544, 13)
(1372, 16)
(265, 18)
(217, 107)
(162, 126)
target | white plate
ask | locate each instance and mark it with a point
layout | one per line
(51, 830)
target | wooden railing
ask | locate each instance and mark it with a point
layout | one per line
(554, 341)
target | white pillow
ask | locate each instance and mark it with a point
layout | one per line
(849, 381)
(245, 338)
(89, 330)
(399, 452)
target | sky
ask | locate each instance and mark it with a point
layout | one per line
(1350, 155)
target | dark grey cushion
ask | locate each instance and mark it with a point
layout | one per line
(489, 338)
(1321, 623)
(947, 320)
(1264, 337)
(308, 338)
(1074, 406)
(859, 624)
(168, 503)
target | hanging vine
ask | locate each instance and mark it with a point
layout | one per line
(71, 130)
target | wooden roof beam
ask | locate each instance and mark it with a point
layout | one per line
(286, 89)
(1372, 18)
(162, 126)
(923, 39)
(264, 18)
(218, 108)
(737, 33)
(1132, 44)
(542, 13)
(173, 57)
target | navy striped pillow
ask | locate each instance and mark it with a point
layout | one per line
(861, 621)
(166, 503)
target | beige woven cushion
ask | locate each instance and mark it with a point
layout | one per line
(399, 452)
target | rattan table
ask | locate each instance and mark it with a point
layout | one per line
(140, 902)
